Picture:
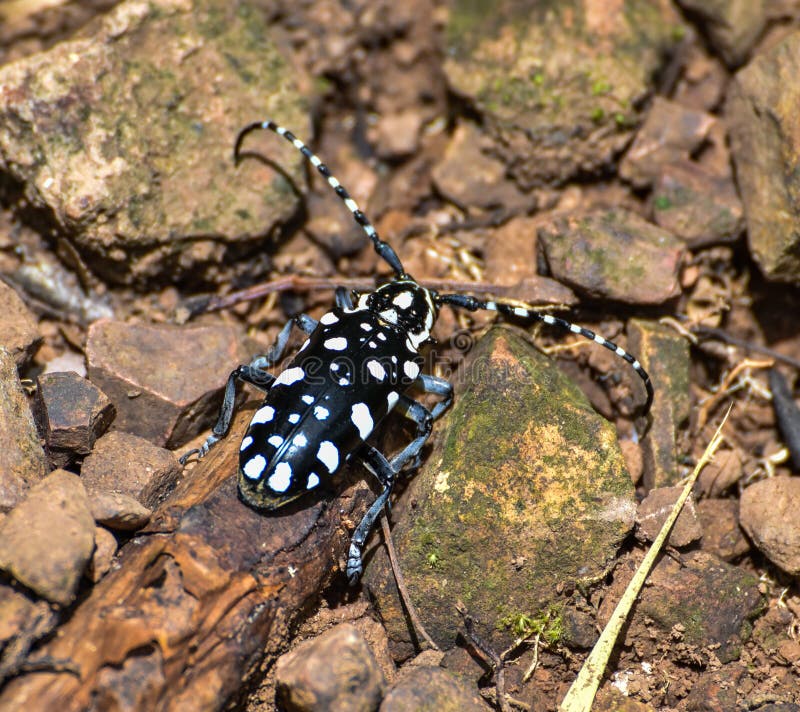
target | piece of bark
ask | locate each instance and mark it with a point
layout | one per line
(213, 587)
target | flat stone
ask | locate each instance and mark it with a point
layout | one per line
(335, 670)
(732, 26)
(701, 602)
(130, 465)
(653, 511)
(46, 541)
(22, 458)
(614, 254)
(72, 414)
(665, 356)
(557, 90)
(118, 511)
(19, 330)
(697, 205)
(524, 470)
(768, 512)
(670, 132)
(105, 548)
(164, 381)
(722, 535)
(762, 119)
(131, 152)
(429, 687)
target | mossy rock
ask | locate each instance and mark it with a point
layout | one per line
(526, 491)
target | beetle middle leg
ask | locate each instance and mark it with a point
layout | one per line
(255, 373)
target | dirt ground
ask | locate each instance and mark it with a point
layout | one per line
(630, 167)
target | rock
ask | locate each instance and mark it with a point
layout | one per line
(118, 511)
(764, 144)
(613, 254)
(134, 159)
(722, 536)
(556, 89)
(670, 132)
(333, 671)
(105, 547)
(469, 176)
(524, 471)
(432, 688)
(72, 414)
(164, 381)
(23, 621)
(733, 26)
(724, 471)
(768, 513)
(697, 205)
(130, 465)
(665, 356)
(47, 540)
(19, 331)
(702, 603)
(22, 459)
(654, 510)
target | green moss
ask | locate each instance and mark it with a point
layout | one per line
(548, 624)
(662, 202)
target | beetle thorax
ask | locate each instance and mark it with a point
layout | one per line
(404, 304)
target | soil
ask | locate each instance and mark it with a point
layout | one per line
(632, 223)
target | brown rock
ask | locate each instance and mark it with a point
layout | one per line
(665, 356)
(105, 547)
(72, 414)
(701, 602)
(614, 254)
(733, 26)
(19, 331)
(670, 132)
(130, 465)
(697, 205)
(722, 536)
(654, 510)
(134, 161)
(762, 121)
(46, 542)
(432, 688)
(768, 512)
(468, 175)
(333, 671)
(163, 380)
(118, 511)
(22, 459)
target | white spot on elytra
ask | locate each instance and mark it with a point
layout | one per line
(392, 399)
(519, 311)
(275, 440)
(307, 399)
(320, 413)
(328, 455)
(381, 336)
(403, 300)
(254, 467)
(263, 415)
(329, 318)
(365, 326)
(390, 315)
(362, 419)
(294, 418)
(411, 369)
(305, 343)
(280, 480)
(289, 376)
(376, 369)
(300, 440)
(313, 480)
(337, 343)
(246, 443)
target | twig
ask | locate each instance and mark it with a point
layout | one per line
(401, 584)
